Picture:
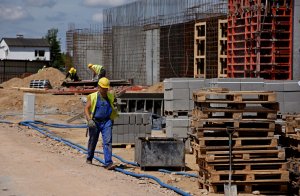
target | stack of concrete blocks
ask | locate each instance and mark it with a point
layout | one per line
(287, 93)
(179, 104)
(128, 126)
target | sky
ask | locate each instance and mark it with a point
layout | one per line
(33, 18)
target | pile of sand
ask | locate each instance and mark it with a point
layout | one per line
(156, 88)
(55, 77)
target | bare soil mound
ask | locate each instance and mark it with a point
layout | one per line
(55, 77)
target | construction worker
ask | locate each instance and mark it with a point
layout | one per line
(100, 113)
(72, 75)
(98, 70)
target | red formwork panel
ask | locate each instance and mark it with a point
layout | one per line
(260, 39)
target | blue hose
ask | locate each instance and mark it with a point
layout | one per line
(178, 173)
(80, 148)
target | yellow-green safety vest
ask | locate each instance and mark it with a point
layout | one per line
(93, 97)
(97, 68)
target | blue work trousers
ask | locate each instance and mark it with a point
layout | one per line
(106, 130)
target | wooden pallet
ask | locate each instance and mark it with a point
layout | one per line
(242, 166)
(200, 132)
(235, 114)
(234, 96)
(222, 143)
(271, 188)
(212, 107)
(255, 155)
(215, 122)
(240, 176)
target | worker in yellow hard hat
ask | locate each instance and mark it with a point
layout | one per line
(100, 113)
(72, 75)
(98, 71)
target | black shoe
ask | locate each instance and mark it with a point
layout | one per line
(110, 167)
(89, 161)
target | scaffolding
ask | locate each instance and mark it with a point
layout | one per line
(150, 40)
(85, 46)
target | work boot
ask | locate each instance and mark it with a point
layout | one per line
(110, 167)
(89, 161)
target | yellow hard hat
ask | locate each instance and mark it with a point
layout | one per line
(104, 83)
(72, 70)
(90, 65)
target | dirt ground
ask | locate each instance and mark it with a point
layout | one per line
(32, 164)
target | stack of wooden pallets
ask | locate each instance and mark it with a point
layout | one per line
(258, 163)
(291, 140)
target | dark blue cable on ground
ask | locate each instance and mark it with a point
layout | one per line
(83, 150)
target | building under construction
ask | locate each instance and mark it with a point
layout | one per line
(84, 46)
(149, 40)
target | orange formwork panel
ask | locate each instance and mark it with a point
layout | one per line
(260, 39)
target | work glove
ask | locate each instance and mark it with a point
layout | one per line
(91, 124)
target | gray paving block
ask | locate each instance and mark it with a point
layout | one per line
(114, 138)
(181, 104)
(148, 129)
(131, 128)
(291, 85)
(273, 85)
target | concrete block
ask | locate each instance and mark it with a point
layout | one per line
(177, 132)
(28, 106)
(119, 120)
(196, 84)
(131, 128)
(167, 84)
(138, 118)
(191, 105)
(146, 118)
(292, 97)
(132, 118)
(168, 105)
(273, 85)
(148, 129)
(180, 83)
(280, 96)
(180, 105)
(251, 85)
(126, 118)
(137, 129)
(291, 107)
(176, 93)
(291, 85)
(177, 122)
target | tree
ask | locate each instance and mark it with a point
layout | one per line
(56, 59)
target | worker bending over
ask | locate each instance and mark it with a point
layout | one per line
(72, 75)
(98, 70)
(100, 113)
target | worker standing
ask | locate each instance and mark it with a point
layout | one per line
(72, 75)
(98, 70)
(99, 111)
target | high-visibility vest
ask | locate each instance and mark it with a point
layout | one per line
(97, 68)
(93, 97)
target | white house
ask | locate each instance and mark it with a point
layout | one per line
(20, 48)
